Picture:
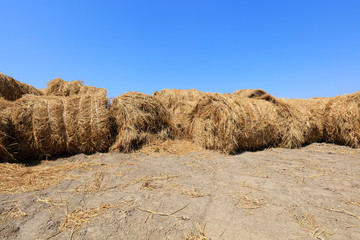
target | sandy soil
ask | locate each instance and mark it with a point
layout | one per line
(308, 193)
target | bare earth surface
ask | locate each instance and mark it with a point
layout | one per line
(307, 193)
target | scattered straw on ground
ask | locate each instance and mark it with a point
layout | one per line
(11, 213)
(309, 222)
(199, 235)
(246, 202)
(15, 178)
(79, 217)
(165, 214)
(170, 147)
(194, 193)
(96, 185)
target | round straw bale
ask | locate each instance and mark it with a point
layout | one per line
(179, 103)
(301, 120)
(311, 116)
(50, 126)
(12, 89)
(139, 119)
(213, 124)
(39, 127)
(60, 87)
(342, 120)
(87, 123)
(232, 124)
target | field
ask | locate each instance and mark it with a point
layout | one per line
(183, 192)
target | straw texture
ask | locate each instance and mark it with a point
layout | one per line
(60, 87)
(139, 119)
(12, 89)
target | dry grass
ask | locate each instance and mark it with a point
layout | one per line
(12, 89)
(249, 93)
(194, 193)
(246, 202)
(179, 103)
(170, 147)
(139, 119)
(7, 141)
(354, 202)
(232, 124)
(12, 212)
(172, 214)
(342, 120)
(60, 87)
(308, 222)
(51, 203)
(96, 185)
(301, 120)
(75, 220)
(198, 235)
(50, 126)
(16, 178)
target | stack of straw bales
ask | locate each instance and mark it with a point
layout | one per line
(12, 89)
(139, 119)
(60, 87)
(342, 120)
(180, 104)
(49, 126)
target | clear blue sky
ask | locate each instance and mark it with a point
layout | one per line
(290, 48)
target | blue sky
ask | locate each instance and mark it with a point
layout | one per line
(295, 49)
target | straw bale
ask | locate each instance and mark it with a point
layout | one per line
(249, 93)
(60, 87)
(179, 103)
(232, 124)
(87, 123)
(7, 143)
(342, 120)
(139, 119)
(311, 116)
(12, 89)
(304, 117)
(39, 127)
(49, 126)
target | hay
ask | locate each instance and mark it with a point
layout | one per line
(17, 178)
(342, 120)
(170, 147)
(87, 124)
(179, 103)
(139, 119)
(12, 89)
(50, 126)
(310, 113)
(231, 123)
(304, 117)
(60, 87)
(7, 142)
(249, 93)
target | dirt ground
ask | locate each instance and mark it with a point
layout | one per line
(307, 193)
